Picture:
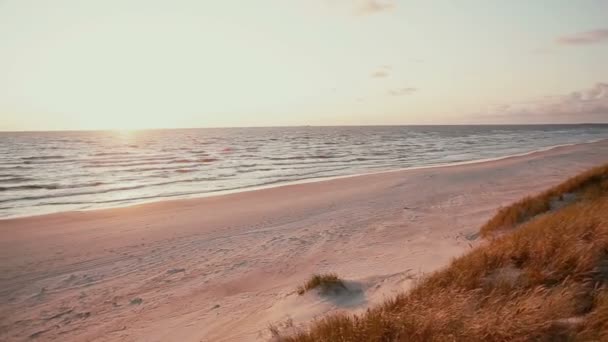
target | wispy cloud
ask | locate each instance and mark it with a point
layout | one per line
(374, 6)
(362, 7)
(585, 38)
(382, 72)
(402, 91)
(587, 104)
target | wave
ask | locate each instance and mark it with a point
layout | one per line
(103, 154)
(113, 163)
(14, 179)
(177, 194)
(133, 159)
(122, 165)
(49, 186)
(18, 167)
(49, 161)
(304, 157)
(199, 153)
(43, 157)
(134, 187)
(281, 177)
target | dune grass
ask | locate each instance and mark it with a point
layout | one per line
(586, 185)
(326, 283)
(546, 281)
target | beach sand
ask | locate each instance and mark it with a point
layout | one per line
(223, 268)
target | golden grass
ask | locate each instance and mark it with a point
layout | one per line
(546, 281)
(326, 283)
(588, 184)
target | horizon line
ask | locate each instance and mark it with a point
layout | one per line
(300, 126)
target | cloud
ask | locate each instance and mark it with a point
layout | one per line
(585, 38)
(362, 7)
(589, 104)
(402, 91)
(381, 72)
(374, 6)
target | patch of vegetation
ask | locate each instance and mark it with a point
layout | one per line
(326, 283)
(136, 301)
(546, 281)
(584, 186)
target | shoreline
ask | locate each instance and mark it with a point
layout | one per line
(301, 181)
(222, 268)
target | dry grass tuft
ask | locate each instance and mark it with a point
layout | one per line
(326, 283)
(584, 186)
(546, 281)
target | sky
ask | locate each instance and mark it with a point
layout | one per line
(130, 64)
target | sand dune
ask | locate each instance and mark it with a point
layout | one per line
(223, 268)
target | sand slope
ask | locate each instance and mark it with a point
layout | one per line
(223, 268)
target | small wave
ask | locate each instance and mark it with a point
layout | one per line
(14, 179)
(327, 163)
(182, 161)
(49, 186)
(134, 187)
(48, 161)
(43, 157)
(29, 198)
(130, 160)
(199, 153)
(383, 153)
(301, 175)
(321, 156)
(243, 171)
(226, 175)
(19, 167)
(101, 154)
(145, 163)
(160, 196)
(147, 169)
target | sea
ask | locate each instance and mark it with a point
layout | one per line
(46, 172)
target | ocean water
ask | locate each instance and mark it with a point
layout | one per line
(43, 172)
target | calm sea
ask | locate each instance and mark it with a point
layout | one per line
(43, 172)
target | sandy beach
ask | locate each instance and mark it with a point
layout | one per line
(223, 268)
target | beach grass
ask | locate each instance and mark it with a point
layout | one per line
(326, 283)
(586, 185)
(544, 281)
